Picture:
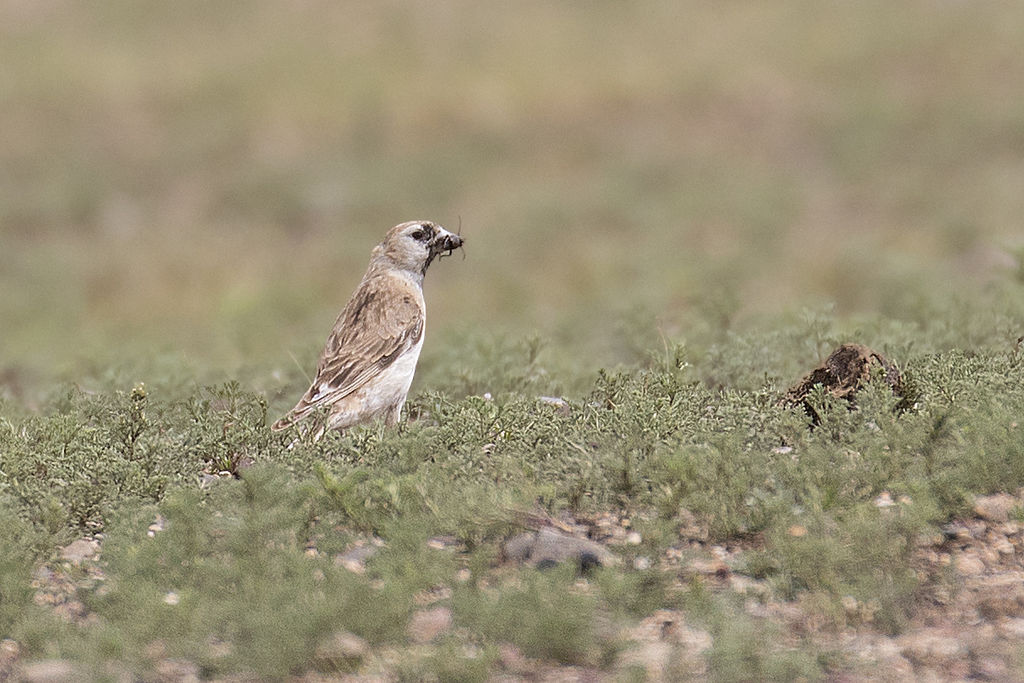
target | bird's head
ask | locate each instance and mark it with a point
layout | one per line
(414, 245)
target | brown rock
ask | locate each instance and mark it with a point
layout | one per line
(343, 651)
(426, 625)
(1012, 628)
(178, 670)
(695, 640)
(79, 550)
(9, 651)
(881, 656)
(443, 543)
(652, 657)
(354, 559)
(995, 508)
(548, 547)
(71, 610)
(664, 648)
(990, 669)
(1003, 546)
(513, 661)
(988, 555)
(520, 547)
(709, 566)
(50, 671)
(996, 602)
(932, 647)
(969, 564)
(884, 500)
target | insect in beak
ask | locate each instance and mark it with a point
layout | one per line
(452, 242)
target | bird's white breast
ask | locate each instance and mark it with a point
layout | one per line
(391, 386)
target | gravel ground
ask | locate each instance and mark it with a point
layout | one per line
(969, 625)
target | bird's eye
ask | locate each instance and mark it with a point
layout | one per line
(422, 233)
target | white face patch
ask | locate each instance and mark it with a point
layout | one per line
(422, 233)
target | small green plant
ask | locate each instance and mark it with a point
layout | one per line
(543, 615)
(229, 581)
(747, 649)
(16, 555)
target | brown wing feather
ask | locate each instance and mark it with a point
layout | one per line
(382, 320)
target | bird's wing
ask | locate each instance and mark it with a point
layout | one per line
(381, 321)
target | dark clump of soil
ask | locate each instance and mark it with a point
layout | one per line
(842, 374)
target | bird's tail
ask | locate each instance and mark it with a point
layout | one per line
(284, 423)
(314, 429)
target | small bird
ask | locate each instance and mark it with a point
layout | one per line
(370, 357)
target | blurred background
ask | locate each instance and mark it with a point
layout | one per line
(199, 184)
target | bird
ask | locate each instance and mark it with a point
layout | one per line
(368, 362)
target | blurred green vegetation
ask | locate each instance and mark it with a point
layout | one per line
(672, 211)
(207, 180)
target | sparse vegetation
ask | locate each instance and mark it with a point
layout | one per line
(250, 561)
